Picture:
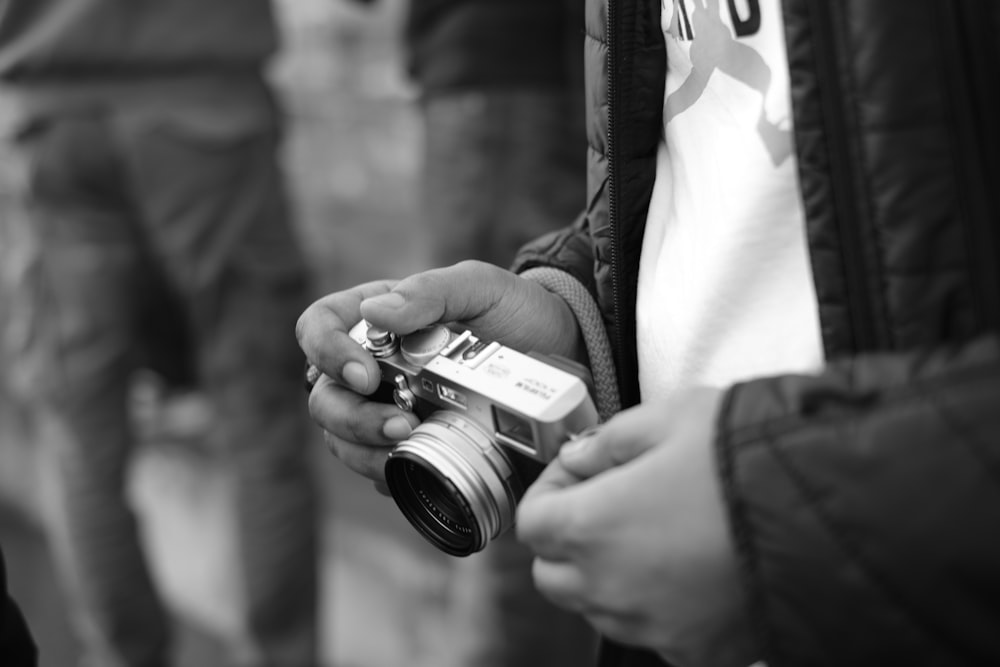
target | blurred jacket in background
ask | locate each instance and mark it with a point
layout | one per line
(501, 99)
(148, 223)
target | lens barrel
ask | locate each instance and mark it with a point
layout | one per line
(453, 483)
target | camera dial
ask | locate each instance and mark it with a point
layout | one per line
(421, 346)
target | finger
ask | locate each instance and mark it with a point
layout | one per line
(549, 513)
(322, 334)
(620, 440)
(363, 459)
(627, 629)
(485, 298)
(562, 583)
(457, 293)
(354, 418)
(569, 587)
(554, 477)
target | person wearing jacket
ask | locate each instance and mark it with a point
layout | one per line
(786, 283)
(146, 226)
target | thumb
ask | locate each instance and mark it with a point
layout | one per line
(458, 293)
(626, 436)
(485, 298)
(689, 415)
(590, 455)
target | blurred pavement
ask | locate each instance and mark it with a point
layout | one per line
(352, 158)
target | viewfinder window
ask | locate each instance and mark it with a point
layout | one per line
(516, 428)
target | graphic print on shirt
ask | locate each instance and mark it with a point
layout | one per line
(725, 290)
(713, 47)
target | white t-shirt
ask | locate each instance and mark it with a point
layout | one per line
(725, 285)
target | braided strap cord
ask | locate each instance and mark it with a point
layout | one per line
(595, 337)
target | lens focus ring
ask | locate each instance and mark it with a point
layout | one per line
(453, 483)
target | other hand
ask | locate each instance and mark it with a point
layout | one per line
(630, 530)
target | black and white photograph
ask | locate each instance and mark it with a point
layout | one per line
(499, 333)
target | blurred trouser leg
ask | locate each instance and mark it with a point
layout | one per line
(76, 298)
(214, 205)
(501, 167)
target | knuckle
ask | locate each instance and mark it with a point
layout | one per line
(362, 422)
(362, 460)
(471, 266)
(306, 323)
(425, 285)
(355, 422)
(314, 402)
(318, 398)
(619, 449)
(526, 528)
(573, 532)
(338, 446)
(300, 327)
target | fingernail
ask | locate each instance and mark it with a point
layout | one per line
(355, 375)
(575, 447)
(390, 300)
(312, 376)
(397, 428)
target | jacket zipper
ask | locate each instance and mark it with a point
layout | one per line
(617, 270)
(862, 311)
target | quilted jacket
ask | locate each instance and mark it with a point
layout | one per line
(865, 501)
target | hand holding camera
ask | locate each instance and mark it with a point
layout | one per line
(493, 304)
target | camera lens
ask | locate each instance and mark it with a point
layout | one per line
(453, 484)
(436, 508)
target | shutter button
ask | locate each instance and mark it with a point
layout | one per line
(381, 343)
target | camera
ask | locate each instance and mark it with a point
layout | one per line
(491, 418)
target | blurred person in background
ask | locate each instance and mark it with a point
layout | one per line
(501, 92)
(500, 89)
(150, 228)
(504, 160)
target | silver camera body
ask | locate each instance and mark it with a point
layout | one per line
(489, 413)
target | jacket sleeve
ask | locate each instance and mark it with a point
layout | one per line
(567, 249)
(865, 504)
